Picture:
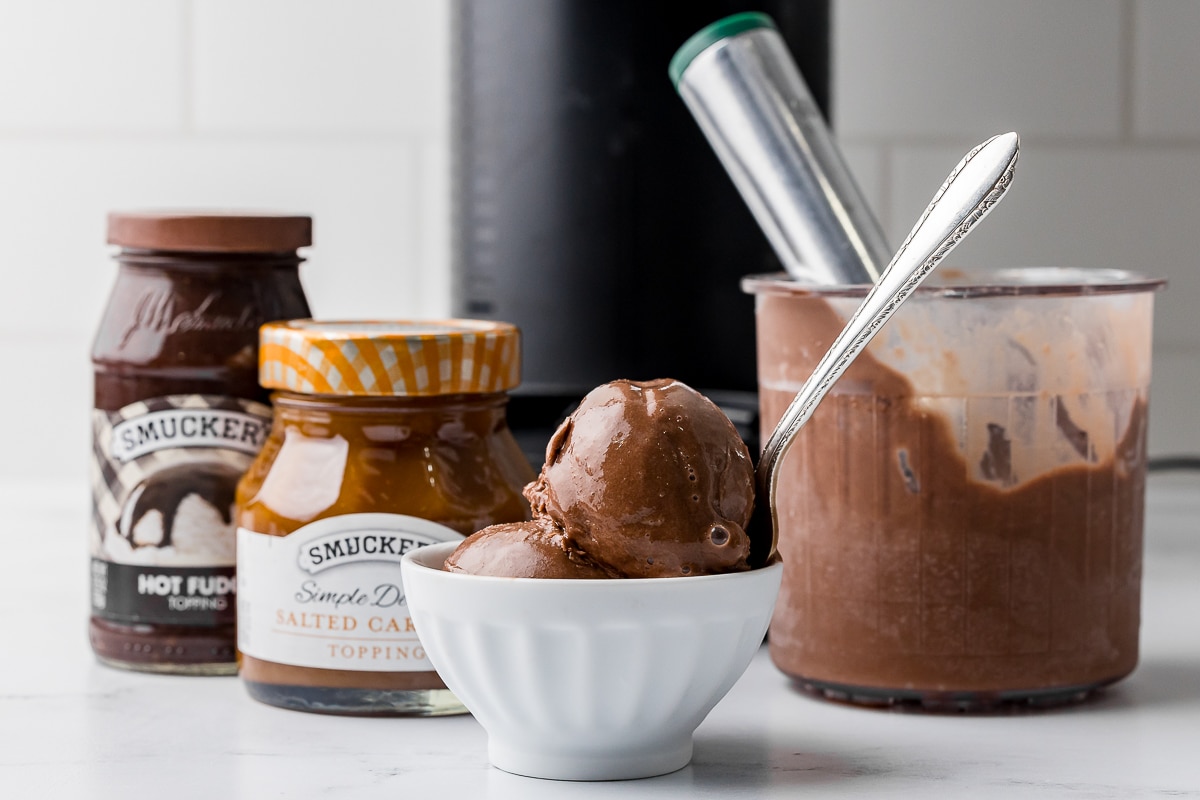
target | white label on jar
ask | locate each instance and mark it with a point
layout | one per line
(164, 475)
(329, 594)
(188, 427)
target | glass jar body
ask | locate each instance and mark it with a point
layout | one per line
(961, 521)
(377, 473)
(176, 349)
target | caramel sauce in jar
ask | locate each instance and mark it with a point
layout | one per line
(178, 417)
(387, 436)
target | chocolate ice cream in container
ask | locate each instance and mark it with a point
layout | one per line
(961, 521)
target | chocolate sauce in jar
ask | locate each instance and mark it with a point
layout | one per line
(178, 418)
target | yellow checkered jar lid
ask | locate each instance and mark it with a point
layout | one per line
(412, 358)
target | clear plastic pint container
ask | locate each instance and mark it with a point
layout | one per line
(961, 520)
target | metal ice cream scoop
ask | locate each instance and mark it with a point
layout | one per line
(740, 82)
(970, 192)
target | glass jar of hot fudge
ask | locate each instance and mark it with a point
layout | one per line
(178, 417)
(387, 436)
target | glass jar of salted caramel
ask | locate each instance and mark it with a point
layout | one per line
(178, 417)
(387, 436)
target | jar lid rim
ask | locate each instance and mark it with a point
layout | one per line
(390, 329)
(1029, 281)
(210, 231)
(415, 358)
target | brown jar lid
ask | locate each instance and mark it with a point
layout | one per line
(209, 232)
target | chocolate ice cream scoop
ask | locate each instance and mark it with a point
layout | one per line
(651, 479)
(534, 549)
(644, 480)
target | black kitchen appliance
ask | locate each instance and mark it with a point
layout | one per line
(589, 209)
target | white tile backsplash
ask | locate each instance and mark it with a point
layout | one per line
(49, 434)
(1080, 206)
(433, 225)
(1166, 63)
(1175, 402)
(365, 198)
(287, 66)
(78, 65)
(340, 109)
(942, 68)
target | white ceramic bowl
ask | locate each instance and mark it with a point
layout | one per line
(588, 679)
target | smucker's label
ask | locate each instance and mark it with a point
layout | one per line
(188, 427)
(164, 474)
(329, 594)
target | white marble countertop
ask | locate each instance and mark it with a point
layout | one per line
(72, 728)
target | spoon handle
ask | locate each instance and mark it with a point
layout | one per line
(972, 189)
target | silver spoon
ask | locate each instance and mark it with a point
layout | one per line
(971, 191)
